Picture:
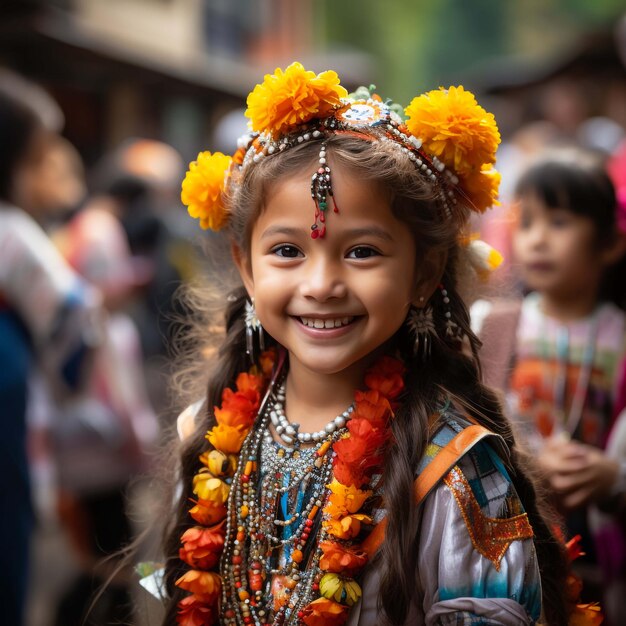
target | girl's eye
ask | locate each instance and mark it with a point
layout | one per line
(362, 252)
(560, 220)
(286, 251)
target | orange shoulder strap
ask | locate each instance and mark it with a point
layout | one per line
(440, 465)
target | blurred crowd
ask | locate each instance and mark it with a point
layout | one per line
(89, 265)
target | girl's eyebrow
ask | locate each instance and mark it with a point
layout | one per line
(290, 231)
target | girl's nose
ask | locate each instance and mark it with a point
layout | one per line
(323, 280)
(537, 234)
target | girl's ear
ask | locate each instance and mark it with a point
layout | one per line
(429, 276)
(242, 263)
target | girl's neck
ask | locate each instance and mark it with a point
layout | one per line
(569, 307)
(313, 398)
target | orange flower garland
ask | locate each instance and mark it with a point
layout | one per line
(358, 455)
(202, 545)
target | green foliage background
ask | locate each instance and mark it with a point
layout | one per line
(420, 44)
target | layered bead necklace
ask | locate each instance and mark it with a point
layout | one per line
(279, 526)
(290, 432)
(271, 546)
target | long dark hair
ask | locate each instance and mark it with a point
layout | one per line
(449, 371)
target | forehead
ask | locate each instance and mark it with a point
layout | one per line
(357, 199)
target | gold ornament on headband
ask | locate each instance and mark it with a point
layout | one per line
(449, 137)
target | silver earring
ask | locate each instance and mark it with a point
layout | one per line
(452, 328)
(253, 325)
(420, 323)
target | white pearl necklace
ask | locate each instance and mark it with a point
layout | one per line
(289, 432)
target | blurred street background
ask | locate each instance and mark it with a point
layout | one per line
(142, 86)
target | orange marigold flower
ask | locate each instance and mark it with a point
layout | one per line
(372, 406)
(202, 547)
(481, 188)
(387, 377)
(345, 499)
(347, 527)
(323, 612)
(203, 187)
(205, 585)
(226, 438)
(364, 444)
(348, 473)
(207, 513)
(454, 128)
(249, 383)
(341, 559)
(192, 611)
(238, 408)
(287, 98)
(266, 362)
(207, 487)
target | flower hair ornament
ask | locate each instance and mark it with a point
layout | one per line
(449, 137)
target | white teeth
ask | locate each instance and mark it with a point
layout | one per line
(327, 323)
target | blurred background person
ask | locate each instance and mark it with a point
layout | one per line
(561, 356)
(102, 439)
(46, 318)
(139, 183)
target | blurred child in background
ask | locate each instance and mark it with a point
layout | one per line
(567, 348)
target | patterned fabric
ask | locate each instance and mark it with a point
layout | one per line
(532, 384)
(460, 581)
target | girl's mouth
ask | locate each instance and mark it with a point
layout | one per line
(318, 323)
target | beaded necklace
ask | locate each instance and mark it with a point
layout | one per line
(285, 524)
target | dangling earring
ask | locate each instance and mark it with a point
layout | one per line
(452, 328)
(253, 325)
(420, 323)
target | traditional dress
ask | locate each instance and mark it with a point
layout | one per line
(476, 555)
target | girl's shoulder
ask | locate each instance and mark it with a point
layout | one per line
(471, 465)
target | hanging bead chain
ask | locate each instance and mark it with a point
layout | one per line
(321, 190)
(290, 432)
(274, 526)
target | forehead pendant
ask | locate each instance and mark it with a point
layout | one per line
(321, 192)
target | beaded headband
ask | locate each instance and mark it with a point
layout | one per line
(449, 137)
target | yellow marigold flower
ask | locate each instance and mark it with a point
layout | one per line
(347, 527)
(295, 96)
(454, 128)
(207, 487)
(203, 187)
(345, 499)
(482, 188)
(228, 439)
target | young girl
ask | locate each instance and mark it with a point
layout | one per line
(568, 349)
(358, 472)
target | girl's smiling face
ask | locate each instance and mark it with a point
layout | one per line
(330, 302)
